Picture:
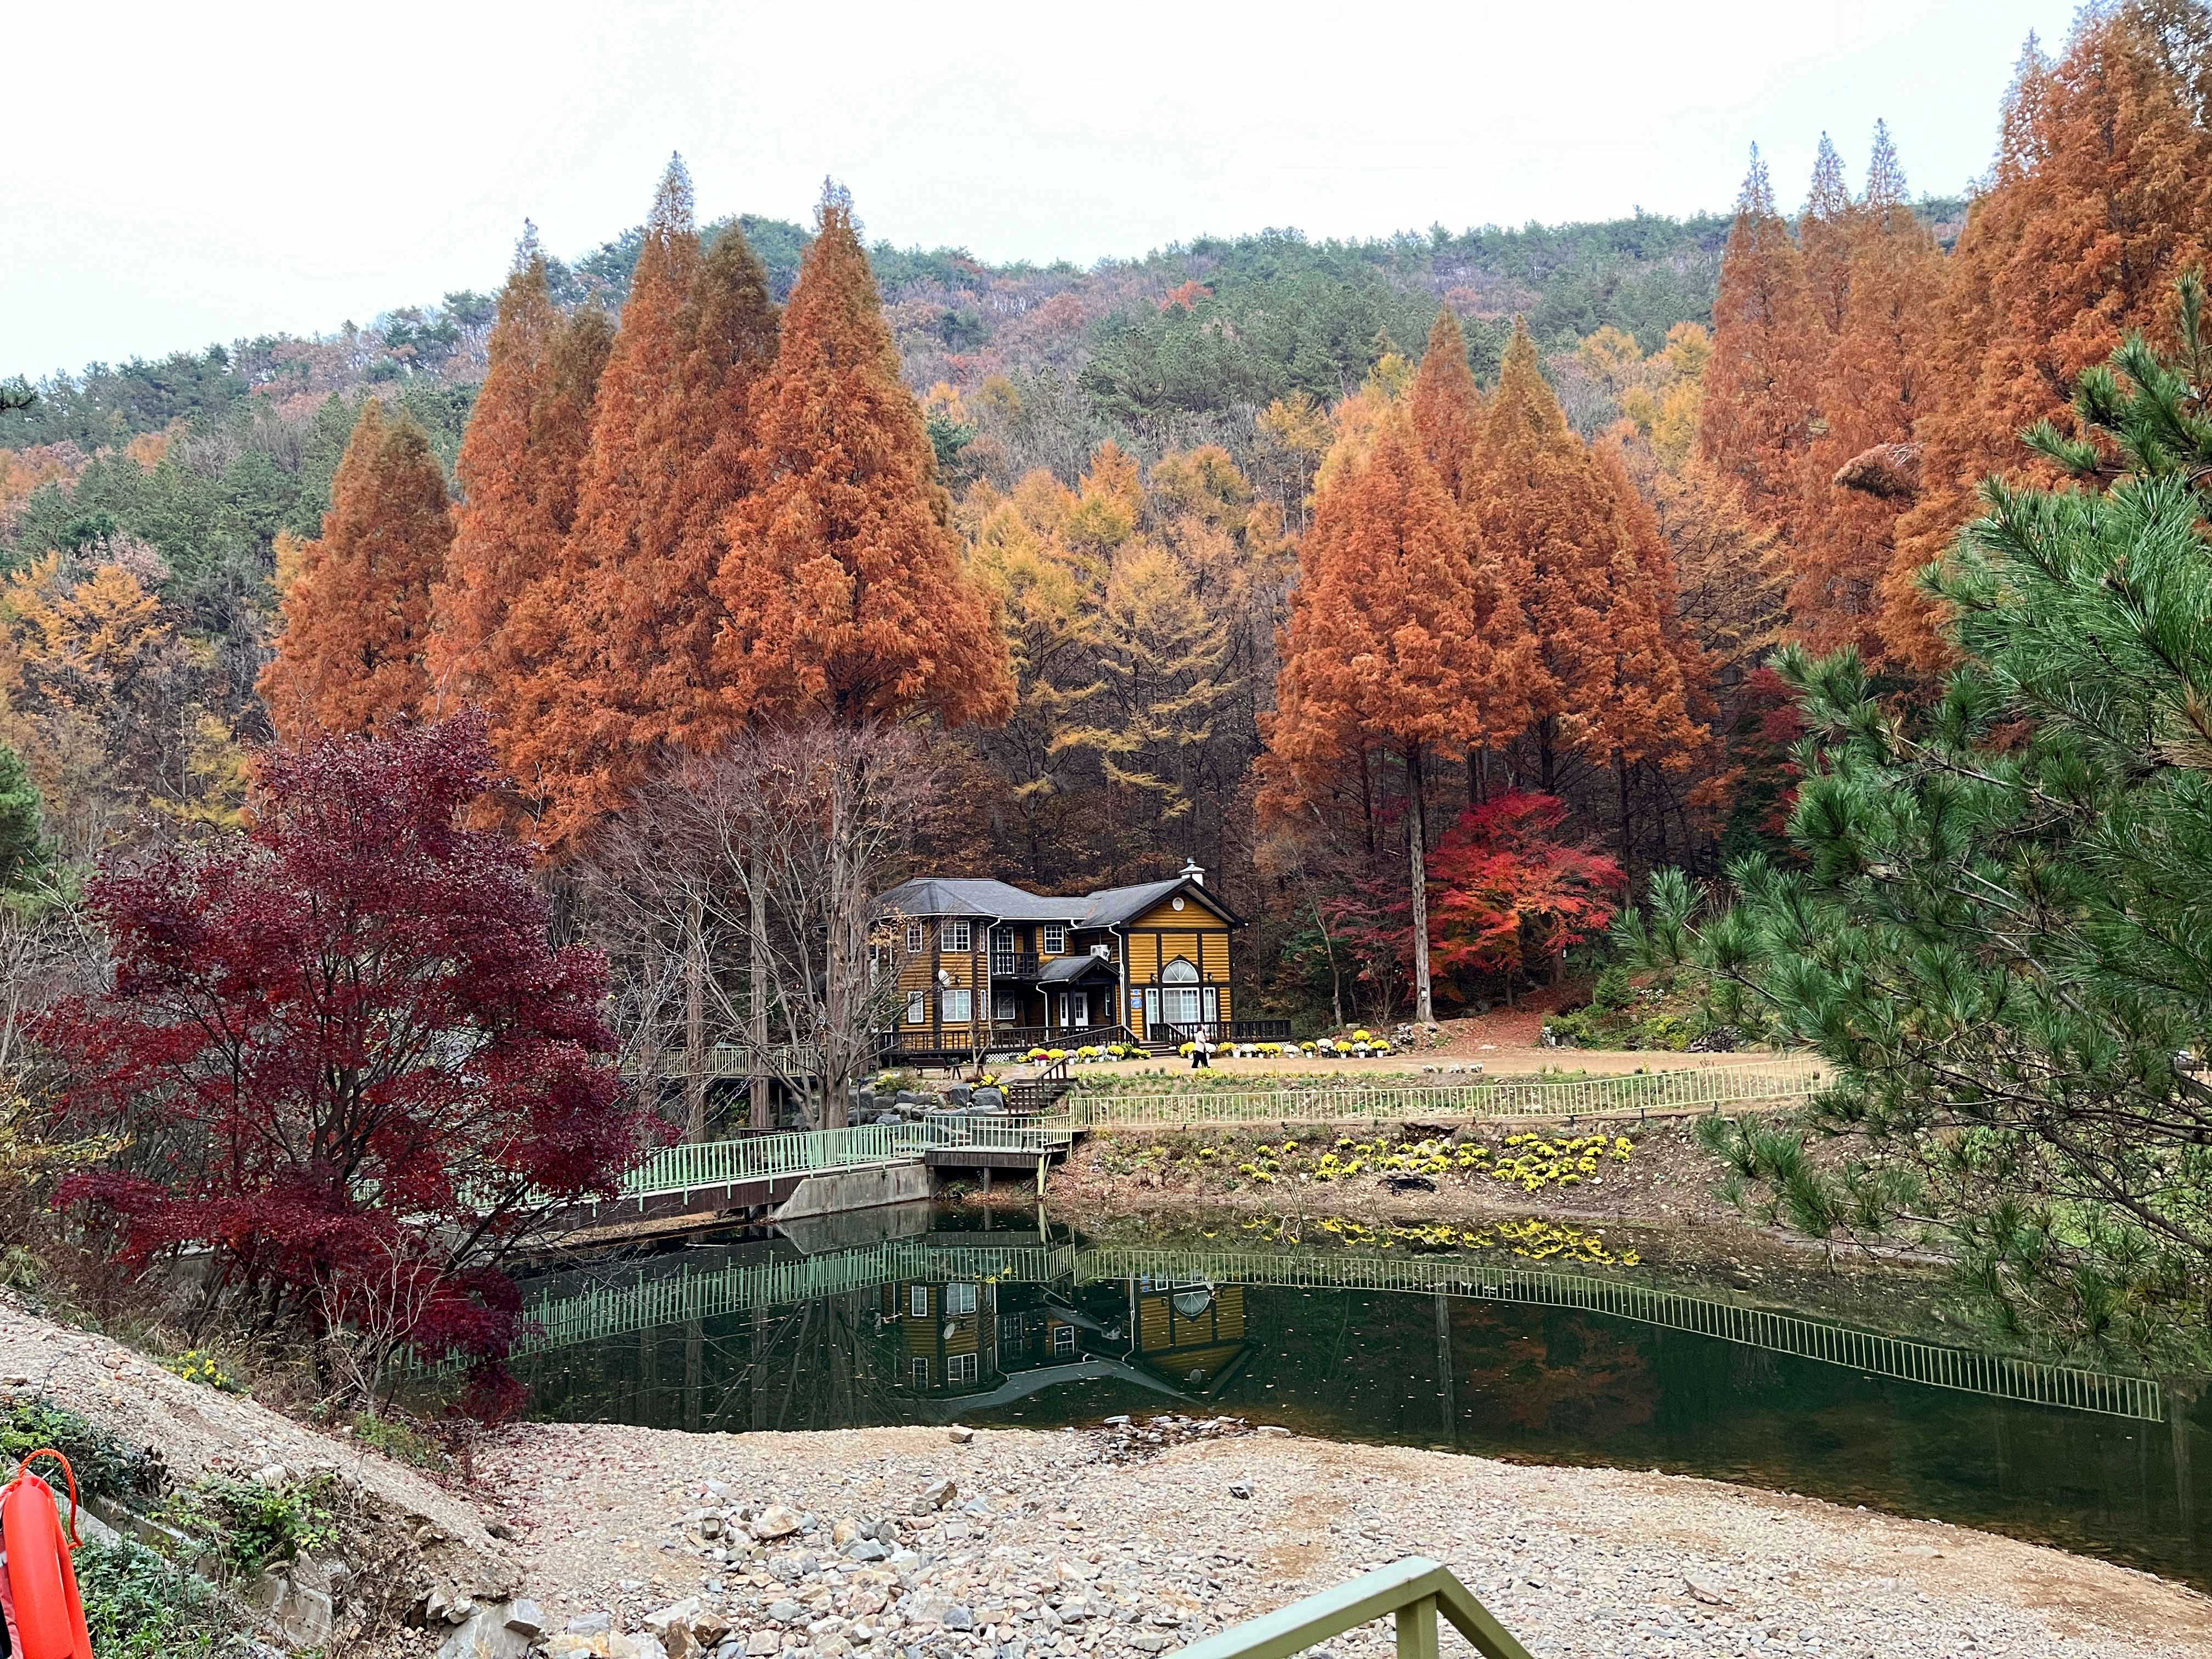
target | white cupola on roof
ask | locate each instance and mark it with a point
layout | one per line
(1193, 871)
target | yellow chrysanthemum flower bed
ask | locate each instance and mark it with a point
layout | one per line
(1560, 1243)
(1530, 1162)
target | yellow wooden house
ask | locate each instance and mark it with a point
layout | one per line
(986, 967)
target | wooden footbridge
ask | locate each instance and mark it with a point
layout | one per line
(653, 1300)
(759, 1173)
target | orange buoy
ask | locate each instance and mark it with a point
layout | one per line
(41, 1583)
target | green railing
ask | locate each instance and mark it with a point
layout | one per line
(729, 1060)
(686, 1294)
(1412, 1592)
(690, 1294)
(1902, 1357)
(756, 1158)
(760, 1157)
(1691, 1088)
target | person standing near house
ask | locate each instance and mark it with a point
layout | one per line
(1201, 1052)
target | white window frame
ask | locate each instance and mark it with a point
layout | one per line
(917, 1301)
(956, 1004)
(917, 938)
(956, 939)
(917, 1007)
(959, 1300)
(1063, 1339)
(961, 1367)
(1007, 1008)
(1052, 939)
(921, 1373)
(1181, 1002)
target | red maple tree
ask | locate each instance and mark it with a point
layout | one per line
(341, 1050)
(1506, 898)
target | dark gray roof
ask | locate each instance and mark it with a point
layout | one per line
(1060, 969)
(999, 901)
(961, 896)
(1111, 907)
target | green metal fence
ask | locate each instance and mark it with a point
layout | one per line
(687, 1295)
(754, 1157)
(1689, 1088)
(690, 1294)
(757, 1158)
(1870, 1352)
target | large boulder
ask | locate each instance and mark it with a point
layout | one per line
(990, 1097)
(495, 1630)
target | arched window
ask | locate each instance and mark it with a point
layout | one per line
(1179, 1002)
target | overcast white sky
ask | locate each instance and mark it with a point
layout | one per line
(181, 175)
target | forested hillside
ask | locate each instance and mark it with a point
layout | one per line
(1181, 485)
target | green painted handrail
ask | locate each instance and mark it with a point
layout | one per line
(1413, 1591)
(1688, 1088)
(592, 1316)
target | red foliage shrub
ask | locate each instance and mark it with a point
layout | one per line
(349, 1060)
(1505, 899)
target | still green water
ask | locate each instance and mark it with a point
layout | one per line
(719, 1335)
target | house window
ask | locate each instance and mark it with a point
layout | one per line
(1063, 1339)
(959, 1299)
(957, 937)
(916, 937)
(960, 1368)
(1212, 1003)
(1010, 1331)
(1180, 1003)
(1005, 1010)
(953, 1004)
(917, 1007)
(917, 1301)
(922, 1373)
(1055, 939)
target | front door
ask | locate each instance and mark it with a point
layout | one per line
(1151, 1008)
(1074, 1010)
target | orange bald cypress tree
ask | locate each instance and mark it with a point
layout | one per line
(1876, 385)
(1386, 648)
(520, 467)
(569, 747)
(1540, 506)
(358, 612)
(1825, 233)
(2101, 194)
(1662, 683)
(1758, 392)
(1446, 405)
(843, 582)
(657, 608)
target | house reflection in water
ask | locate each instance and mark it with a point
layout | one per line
(983, 1342)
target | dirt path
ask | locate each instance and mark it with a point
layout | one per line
(1089, 1543)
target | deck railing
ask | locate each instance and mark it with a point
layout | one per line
(1690, 1088)
(1225, 1030)
(653, 1300)
(728, 1059)
(1413, 1593)
(760, 1157)
(1926, 1363)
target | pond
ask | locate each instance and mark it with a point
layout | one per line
(921, 1318)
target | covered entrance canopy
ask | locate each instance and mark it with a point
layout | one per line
(1079, 992)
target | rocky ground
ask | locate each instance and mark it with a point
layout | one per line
(409, 1540)
(1137, 1539)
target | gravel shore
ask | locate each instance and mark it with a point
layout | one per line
(1134, 1540)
